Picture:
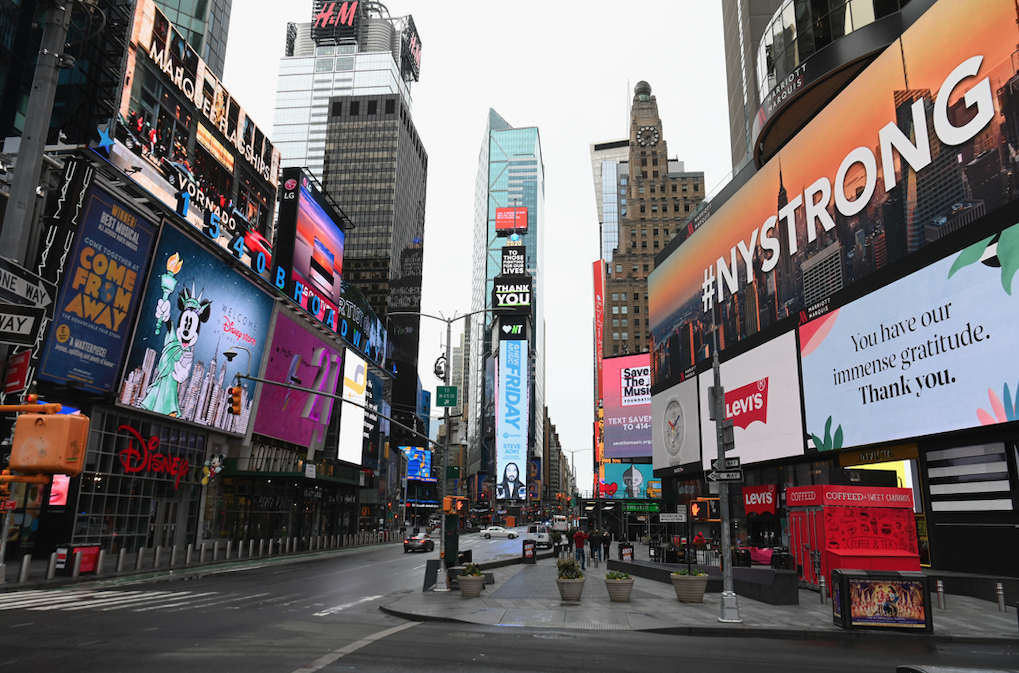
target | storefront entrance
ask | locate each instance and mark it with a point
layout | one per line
(163, 529)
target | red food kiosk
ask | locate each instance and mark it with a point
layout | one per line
(851, 527)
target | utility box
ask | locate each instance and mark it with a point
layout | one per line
(49, 444)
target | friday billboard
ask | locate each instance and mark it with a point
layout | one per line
(194, 308)
(100, 290)
(298, 357)
(627, 406)
(889, 165)
(512, 417)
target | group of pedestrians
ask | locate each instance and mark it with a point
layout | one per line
(597, 541)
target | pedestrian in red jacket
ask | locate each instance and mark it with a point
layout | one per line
(579, 538)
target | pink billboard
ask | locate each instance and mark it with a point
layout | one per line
(297, 357)
(627, 406)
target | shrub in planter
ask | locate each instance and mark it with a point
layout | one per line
(690, 586)
(619, 586)
(471, 581)
(570, 579)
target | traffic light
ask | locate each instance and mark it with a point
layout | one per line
(460, 504)
(235, 401)
(5, 488)
(454, 504)
(49, 444)
(705, 509)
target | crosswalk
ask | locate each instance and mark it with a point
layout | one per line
(137, 600)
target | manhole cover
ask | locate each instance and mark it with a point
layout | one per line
(552, 636)
(467, 634)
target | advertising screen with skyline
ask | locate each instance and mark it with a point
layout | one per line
(627, 406)
(298, 357)
(194, 308)
(99, 295)
(891, 164)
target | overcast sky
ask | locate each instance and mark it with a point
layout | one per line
(567, 67)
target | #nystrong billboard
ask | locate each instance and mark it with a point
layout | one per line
(930, 353)
(627, 406)
(99, 295)
(194, 309)
(511, 413)
(915, 147)
(762, 398)
(297, 357)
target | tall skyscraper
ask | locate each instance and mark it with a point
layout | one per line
(510, 175)
(366, 53)
(608, 164)
(205, 25)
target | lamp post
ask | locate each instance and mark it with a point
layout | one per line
(443, 586)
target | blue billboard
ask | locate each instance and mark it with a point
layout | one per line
(626, 480)
(419, 463)
(195, 309)
(99, 295)
(511, 419)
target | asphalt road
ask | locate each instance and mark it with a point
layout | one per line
(324, 615)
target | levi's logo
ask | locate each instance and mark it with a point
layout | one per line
(759, 499)
(747, 404)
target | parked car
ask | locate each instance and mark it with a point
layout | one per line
(497, 531)
(419, 542)
(540, 535)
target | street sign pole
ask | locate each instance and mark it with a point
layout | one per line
(730, 607)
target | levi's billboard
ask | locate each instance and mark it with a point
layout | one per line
(760, 499)
(932, 352)
(890, 164)
(762, 398)
(511, 219)
(627, 406)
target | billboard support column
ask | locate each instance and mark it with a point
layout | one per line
(730, 607)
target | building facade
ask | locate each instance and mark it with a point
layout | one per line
(205, 25)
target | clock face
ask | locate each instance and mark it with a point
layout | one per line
(647, 135)
(672, 427)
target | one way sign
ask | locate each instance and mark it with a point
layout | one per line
(726, 464)
(20, 324)
(727, 475)
(21, 286)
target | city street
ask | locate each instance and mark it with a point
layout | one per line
(324, 615)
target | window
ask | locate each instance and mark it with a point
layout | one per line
(615, 350)
(643, 232)
(686, 207)
(654, 162)
(615, 310)
(633, 244)
(656, 233)
(654, 208)
(623, 308)
(640, 189)
(696, 187)
(625, 336)
(635, 268)
(324, 65)
(337, 108)
(615, 322)
(643, 174)
(619, 268)
(625, 322)
(684, 187)
(636, 309)
(643, 208)
(673, 187)
(666, 232)
(643, 244)
(372, 107)
(324, 51)
(390, 106)
(615, 337)
(654, 174)
(633, 232)
(615, 296)
(355, 108)
(643, 162)
(645, 268)
(636, 296)
(652, 189)
(656, 245)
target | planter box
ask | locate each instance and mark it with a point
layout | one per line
(619, 590)
(471, 586)
(570, 590)
(690, 588)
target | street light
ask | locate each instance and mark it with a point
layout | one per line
(443, 586)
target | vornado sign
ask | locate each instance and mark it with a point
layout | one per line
(512, 294)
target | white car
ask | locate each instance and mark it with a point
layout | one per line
(497, 531)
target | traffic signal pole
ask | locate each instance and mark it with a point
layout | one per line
(730, 607)
(444, 584)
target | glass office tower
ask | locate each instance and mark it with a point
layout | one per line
(510, 174)
(205, 25)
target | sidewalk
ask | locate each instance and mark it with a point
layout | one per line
(527, 595)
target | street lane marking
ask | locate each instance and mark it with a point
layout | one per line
(322, 662)
(340, 608)
(231, 600)
(174, 605)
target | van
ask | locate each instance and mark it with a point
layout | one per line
(540, 535)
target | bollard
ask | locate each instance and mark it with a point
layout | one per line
(173, 555)
(823, 586)
(941, 595)
(121, 557)
(201, 553)
(51, 569)
(138, 559)
(261, 547)
(100, 562)
(229, 546)
(158, 557)
(188, 553)
(215, 551)
(1000, 590)
(251, 547)
(23, 575)
(77, 565)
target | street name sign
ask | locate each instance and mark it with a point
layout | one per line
(672, 517)
(445, 396)
(725, 475)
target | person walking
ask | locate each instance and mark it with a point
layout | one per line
(606, 541)
(595, 545)
(578, 542)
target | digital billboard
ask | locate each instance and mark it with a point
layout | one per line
(194, 309)
(914, 148)
(514, 260)
(627, 406)
(512, 409)
(599, 326)
(762, 398)
(627, 480)
(181, 136)
(917, 356)
(372, 425)
(355, 382)
(512, 295)
(308, 267)
(511, 219)
(675, 427)
(298, 357)
(419, 463)
(99, 295)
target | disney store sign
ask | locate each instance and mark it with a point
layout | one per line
(146, 457)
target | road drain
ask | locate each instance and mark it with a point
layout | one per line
(467, 634)
(552, 636)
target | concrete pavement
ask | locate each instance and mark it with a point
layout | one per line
(526, 595)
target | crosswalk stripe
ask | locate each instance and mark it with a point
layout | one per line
(173, 605)
(230, 600)
(60, 598)
(122, 598)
